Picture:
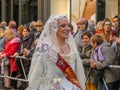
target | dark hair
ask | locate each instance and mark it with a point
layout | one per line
(27, 28)
(86, 33)
(118, 31)
(106, 20)
(71, 26)
(86, 23)
(98, 39)
(27, 25)
(116, 16)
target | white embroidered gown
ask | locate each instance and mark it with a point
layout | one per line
(45, 75)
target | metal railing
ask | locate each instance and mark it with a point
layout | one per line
(16, 78)
(114, 66)
(110, 66)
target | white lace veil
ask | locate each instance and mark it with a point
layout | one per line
(48, 40)
(48, 36)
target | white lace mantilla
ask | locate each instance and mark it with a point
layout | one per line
(44, 74)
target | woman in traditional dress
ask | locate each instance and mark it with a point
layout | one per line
(56, 64)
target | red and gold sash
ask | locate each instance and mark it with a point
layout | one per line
(68, 71)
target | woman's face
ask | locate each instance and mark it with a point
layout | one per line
(63, 28)
(39, 27)
(25, 32)
(107, 27)
(94, 45)
(85, 40)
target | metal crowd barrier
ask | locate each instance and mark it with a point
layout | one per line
(26, 80)
(110, 66)
(15, 78)
(114, 66)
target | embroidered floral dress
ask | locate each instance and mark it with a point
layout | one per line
(44, 73)
(47, 80)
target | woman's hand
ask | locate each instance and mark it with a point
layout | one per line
(116, 39)
(2, 56)
(15, 54)
(93, 64)
(26, 52)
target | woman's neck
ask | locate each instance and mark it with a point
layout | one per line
(61, 42)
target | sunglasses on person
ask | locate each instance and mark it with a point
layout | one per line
(39, 25)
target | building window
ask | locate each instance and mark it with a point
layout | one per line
(100, 10)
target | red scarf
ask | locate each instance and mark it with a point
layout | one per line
(68, 71)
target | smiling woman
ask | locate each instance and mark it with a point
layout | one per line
(62, 34)
(63, 30)
(56, 64)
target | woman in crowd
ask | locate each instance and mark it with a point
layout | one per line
(39, 28)
(99, 27)
(102, 57)
(106, 33)
(20, 30)
(85, 53)
(29, 53)
(26, 42)
(56, 64)
(11, 46)
(85, 48)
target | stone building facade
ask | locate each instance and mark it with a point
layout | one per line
(24, 11)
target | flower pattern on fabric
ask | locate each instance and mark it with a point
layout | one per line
(43, 68)
(49, 52)
(44, 48)
(56, 84)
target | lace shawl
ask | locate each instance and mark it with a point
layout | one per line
(45, 56)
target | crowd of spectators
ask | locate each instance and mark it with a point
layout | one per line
(98, 46)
